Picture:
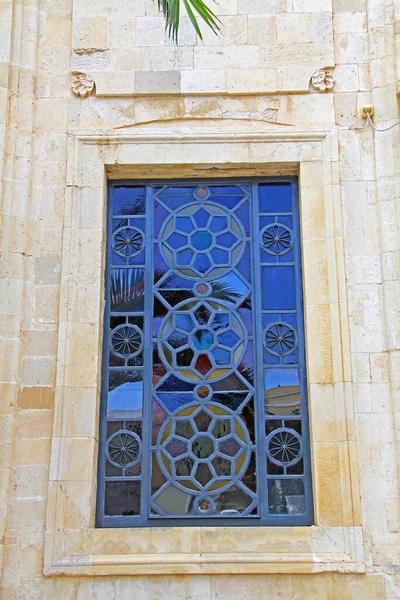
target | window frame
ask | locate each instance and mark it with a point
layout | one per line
(283, 520)
(73, 547)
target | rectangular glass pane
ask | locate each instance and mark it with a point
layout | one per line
(204, 415)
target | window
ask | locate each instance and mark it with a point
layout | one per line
(204, 408)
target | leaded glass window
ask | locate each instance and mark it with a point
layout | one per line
(203, 410)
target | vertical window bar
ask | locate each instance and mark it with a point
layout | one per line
(258, 380)
(302, 355)
(148, 362)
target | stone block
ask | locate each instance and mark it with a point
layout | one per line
(322, 28)
(90, 32)
(234, 32)
(262, 29)
(35, 397)
(240, 81)
(150, 31)
(157, 82)
(227, 57)
(38, 371)
(203, 81)
(294, 28)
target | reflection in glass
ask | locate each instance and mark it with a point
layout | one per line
(122, 498)
(129, 200)
(127, 290)
(281, 391)
(286, 496)
(125, 395)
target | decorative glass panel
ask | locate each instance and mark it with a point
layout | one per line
(203, 415)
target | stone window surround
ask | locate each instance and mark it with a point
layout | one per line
(73, 546)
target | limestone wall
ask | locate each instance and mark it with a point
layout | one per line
(93, 88)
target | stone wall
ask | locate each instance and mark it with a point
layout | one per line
(102, 73)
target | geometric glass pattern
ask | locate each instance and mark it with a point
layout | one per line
(203, 410)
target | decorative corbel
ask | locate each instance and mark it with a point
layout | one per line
(82, 84)
(323, 80)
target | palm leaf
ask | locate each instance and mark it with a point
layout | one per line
(171, 10)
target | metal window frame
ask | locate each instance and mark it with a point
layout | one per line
(143, 521)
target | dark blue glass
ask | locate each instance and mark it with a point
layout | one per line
(275, 197)
(184, 224)
(218, 224)
(227, 239)
(278, 288)
(201, 217)
(129, 200)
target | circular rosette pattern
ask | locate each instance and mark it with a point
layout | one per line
(127, 241)
(276, 239)
(284, 447)
(202, 241)
(280, 338)
(123, 448)
(201, 340)
(203, 449)
(126, 341)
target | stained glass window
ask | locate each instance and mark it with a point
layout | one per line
(203, 409)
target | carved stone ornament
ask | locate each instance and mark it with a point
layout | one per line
(82, 85)
(323, 80)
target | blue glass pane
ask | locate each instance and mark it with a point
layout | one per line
(184, 224)
(125, 395)
(282, 391)
(220, 321)
(227, 240)
(278, 288)
(221, 357)
(229, 339)
(127, 290)
(129, 200)
(275, 197)
(184, 257)
(184, 322)
(227, 201)
(201, 240)
(203, 339)
(177, 240)
(201, 217)
(218, 224)
(172, 190)
(220, 257)
(202, 263)
(244, 265)
(172, 401)
(160, 214)
(230, 288)
(226, 190)
(243, 215)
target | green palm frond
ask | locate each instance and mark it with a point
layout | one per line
(171, 10)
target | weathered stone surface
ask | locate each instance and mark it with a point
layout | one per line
(235, 104)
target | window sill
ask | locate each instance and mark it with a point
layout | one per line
(206, 550)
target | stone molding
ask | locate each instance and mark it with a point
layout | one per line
(73, 546)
